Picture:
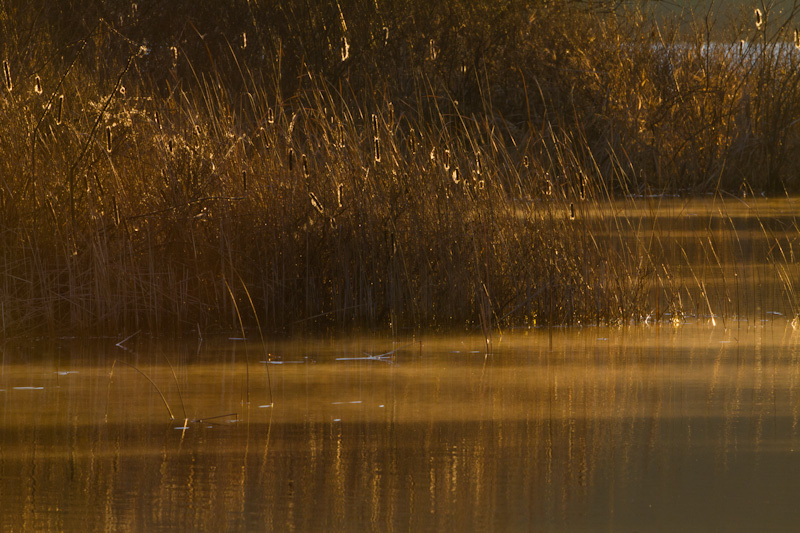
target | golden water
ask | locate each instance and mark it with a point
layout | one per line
(649, 428)
(641, 427)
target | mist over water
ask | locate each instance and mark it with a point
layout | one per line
(644, 427)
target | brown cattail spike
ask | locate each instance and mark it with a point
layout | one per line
(60, 113)
(377, 143)
(571, 211)
(759, 19)
(108, 138)
(316, 203)
(7, 76)
(291, 159)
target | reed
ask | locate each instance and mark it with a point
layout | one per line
(481, 169)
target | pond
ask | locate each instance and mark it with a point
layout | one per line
(622, 428)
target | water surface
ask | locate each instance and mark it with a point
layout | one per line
(635, 428)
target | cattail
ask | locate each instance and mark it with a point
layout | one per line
(270, 116)
(345, 49)
(316, 203)
(60, 113)
(7, 76)
(759, 19)
(244, 180)
(375, 124)
(456, 176)
(37, 85)
(797, 40)
(108, 138)
(571, 211)
(377, 143)
(447, 159)
(340, 194)
(291, 126)
(306, 173)
(244, 40)
(291, 159)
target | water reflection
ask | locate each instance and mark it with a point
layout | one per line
(634, 428)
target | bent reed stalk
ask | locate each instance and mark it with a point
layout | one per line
(477, 170)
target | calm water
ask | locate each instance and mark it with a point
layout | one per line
(636, 428)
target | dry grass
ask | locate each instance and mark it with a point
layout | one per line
(360, 165)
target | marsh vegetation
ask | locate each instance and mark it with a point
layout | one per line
(387, 165)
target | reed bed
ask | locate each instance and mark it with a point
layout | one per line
(361, 165)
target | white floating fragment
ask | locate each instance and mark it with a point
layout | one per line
(181, 427)
(28, 388)
(265, 406)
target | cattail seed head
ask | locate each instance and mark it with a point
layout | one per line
(244, 180)
(385, 35)
(316, 203)
(571, 211)
(291, 159)
(759, 19)
(7, 76)
(37, 85)
(108, 138)
(60, 113)
(433, 154)
(170, 146)
(374, 124)
(377, 143)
